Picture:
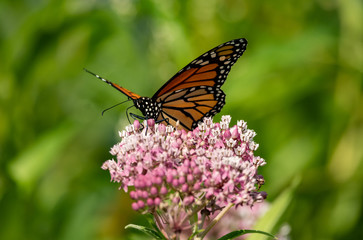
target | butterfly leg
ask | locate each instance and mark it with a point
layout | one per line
(163, 119)
(137, 117)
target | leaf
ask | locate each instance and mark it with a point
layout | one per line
(195, 233)
(238, 233)
(147, 231)
(151, 219)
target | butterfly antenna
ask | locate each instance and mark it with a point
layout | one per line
(114, 106)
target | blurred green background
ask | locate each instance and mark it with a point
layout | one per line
(298, 85)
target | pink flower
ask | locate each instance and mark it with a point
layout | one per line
(173, 170)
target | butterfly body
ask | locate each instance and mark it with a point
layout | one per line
(194, 92)
(148, 107)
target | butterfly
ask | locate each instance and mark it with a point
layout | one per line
(194, 92)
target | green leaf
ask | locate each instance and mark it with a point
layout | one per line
(195, 233)
(151, 219)
(148, 231)
(238, 233)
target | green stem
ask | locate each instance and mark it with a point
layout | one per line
(214, 221)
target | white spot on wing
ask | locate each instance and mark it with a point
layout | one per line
(204, 63)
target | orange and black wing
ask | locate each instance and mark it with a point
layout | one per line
(210, 69)
(190, 105)
(118, 87)
(194, 92)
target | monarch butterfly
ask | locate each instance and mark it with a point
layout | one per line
(194, 92)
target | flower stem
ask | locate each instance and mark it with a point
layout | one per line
(214, 221)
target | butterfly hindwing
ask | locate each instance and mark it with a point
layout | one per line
(191, 105)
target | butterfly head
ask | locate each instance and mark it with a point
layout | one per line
(148, 107)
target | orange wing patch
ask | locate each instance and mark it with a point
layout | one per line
(194, 114)
(204, 109)
(207, 68)
(202, 76)
(224, 48)
(174, 85)
(180, 103)
(228, 52)
(202, 98)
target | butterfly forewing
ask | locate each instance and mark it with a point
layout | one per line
(209, 69)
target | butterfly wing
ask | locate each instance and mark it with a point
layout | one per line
(190, 105)
(194, 92)
(209, 69)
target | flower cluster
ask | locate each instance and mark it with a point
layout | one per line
(166, 166)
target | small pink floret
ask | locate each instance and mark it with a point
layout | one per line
(150, 202)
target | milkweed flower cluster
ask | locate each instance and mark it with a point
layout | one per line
(176, 173)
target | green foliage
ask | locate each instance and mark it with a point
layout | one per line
(298, 85)
(235, 234)
(151, 232)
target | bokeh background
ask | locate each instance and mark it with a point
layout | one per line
(298, 85)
